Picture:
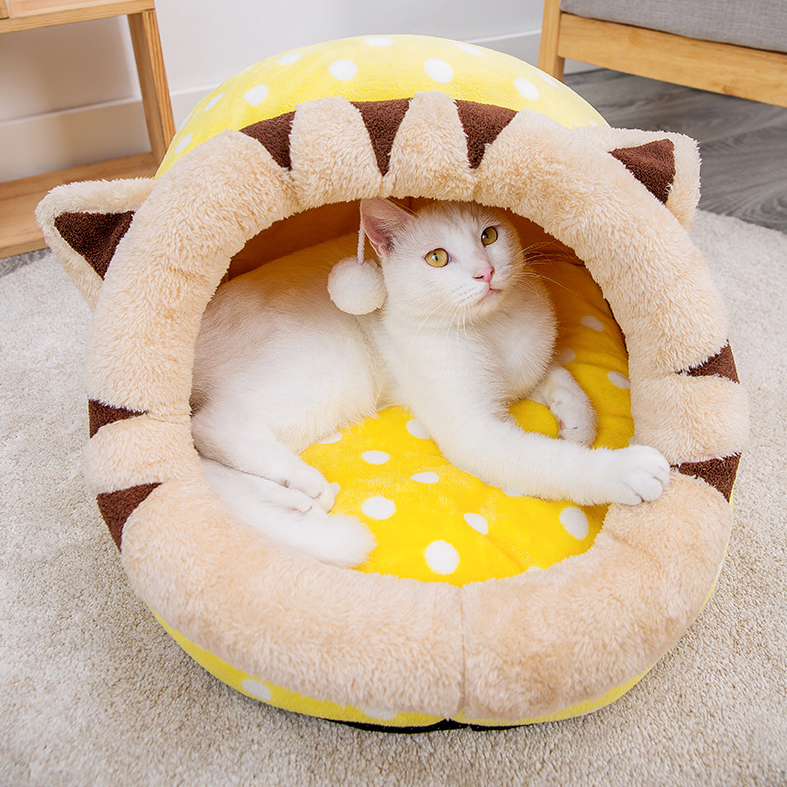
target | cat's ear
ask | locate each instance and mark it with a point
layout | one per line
(381, 221)
(84, 222)
(666, 163)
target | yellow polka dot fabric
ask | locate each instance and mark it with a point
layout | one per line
(437, 523)
(270, 693)
(377, 68)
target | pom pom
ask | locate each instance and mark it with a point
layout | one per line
(356, 288)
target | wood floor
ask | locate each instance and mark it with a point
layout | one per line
(743, 144)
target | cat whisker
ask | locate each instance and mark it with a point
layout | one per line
(529, 274)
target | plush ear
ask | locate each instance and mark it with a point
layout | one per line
(667, 164)
(84, 222)
(381, 220)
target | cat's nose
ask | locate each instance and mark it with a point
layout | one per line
(485, 274)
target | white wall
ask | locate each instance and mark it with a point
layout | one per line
(69, 95)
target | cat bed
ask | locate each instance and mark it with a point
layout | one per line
(476, 607)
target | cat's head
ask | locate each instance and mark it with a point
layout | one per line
(451, 261)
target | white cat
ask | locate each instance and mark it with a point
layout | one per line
(466, 328)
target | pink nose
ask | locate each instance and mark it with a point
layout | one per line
(485, 274)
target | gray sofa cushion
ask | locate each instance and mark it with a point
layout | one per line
(761, 24)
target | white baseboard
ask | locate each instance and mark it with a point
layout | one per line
(58, 140)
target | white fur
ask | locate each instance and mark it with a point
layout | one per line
(356, 287)
(278, 367)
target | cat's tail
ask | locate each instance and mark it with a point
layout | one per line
(339, 540)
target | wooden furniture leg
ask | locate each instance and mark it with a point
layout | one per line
(152, 81)
(548, 58)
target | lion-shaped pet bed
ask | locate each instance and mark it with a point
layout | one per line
(476, 607)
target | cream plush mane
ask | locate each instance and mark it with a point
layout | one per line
(148, 256)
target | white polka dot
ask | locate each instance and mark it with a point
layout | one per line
(439, 70)
(257, 689)
(593, 323)
(381, 714)
(256, 95)
(378, 507)
(566, 355)
(470, 48)
(212, 103)
(184, 143)
(441, 557)
(619, 380)
(575, 522)
(290, 57)
(331, 438)
(378, 41)
(477, 522)
(375, 457)
(527, 89)
(183, 124)
(512, 493)
(425, 478)
(593, 123)
(343, 69)
(552, 81)
(417, 429)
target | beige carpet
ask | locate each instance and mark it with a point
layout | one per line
(93, 692)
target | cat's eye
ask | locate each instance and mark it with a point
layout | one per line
(489, 236)
(437, 258)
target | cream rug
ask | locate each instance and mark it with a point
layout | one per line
(93, 692)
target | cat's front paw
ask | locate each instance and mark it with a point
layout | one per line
(579, 431)
(576, 419)
(637, 474)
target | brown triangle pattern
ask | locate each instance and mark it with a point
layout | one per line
(274, 135)
(94, 236)
(100, 414)
(117, 507)
(719, 473)
(382, 120)
(653, 164)
(482, 123)
(721, 364)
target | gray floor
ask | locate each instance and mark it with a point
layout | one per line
(743, 143)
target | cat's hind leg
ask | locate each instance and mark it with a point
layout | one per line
(570, 405)
(339, 540)
(253, 449)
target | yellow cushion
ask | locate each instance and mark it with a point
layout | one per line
(434, 522)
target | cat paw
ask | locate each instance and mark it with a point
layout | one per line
(311, 485)
(637, 474)
(583, 433)
(576, 420)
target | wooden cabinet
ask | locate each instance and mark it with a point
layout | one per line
(18, 230)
